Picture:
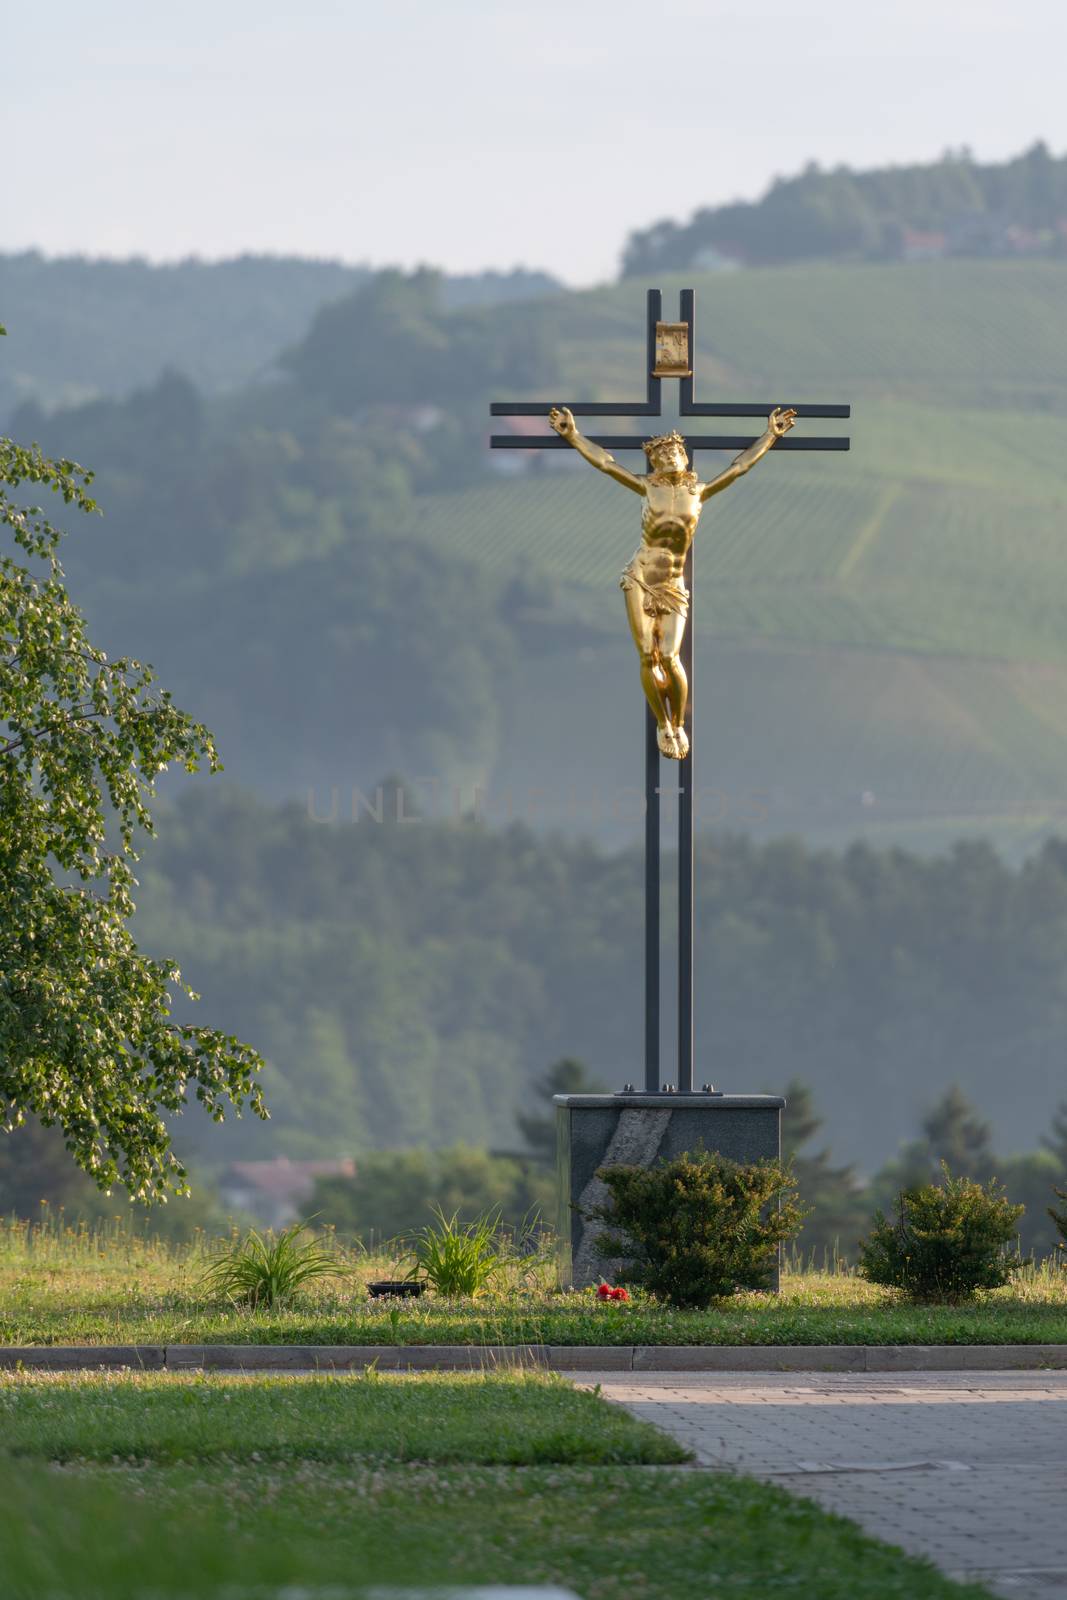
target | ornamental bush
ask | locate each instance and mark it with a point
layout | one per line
(700, 1227)
(947, 1241)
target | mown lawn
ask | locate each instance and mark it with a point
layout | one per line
(245, 1488)
(522, 1419)
(120, 1290)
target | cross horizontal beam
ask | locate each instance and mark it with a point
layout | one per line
(693, 441)
(605, 408)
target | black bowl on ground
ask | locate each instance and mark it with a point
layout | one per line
(402, 1288)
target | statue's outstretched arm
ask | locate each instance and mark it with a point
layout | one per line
(778, 425)
(595, 454)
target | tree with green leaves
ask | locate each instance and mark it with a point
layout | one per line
(394, 1191)
(37, 1175)
(86, 1038)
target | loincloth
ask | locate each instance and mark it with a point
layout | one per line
(668, 599)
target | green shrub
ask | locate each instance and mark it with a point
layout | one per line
(699, 1227)
(393, 1190)
(1060, 1217)
(260, 1272)
(947, 1241)
(460, 1258)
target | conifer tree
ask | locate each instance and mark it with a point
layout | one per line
(1055, 1140)
(838, 1211)
(566, 1076)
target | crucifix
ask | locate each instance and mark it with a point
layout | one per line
(658, 589)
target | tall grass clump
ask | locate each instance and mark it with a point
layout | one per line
(52, 1239)
(461, 1259)
(266, 1273)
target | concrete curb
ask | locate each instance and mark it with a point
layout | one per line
(560, 1358)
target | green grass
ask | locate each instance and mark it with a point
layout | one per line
(110, 1288)
(170, 1485)
(159, 1486)
(518, 1419)
(208, 1531)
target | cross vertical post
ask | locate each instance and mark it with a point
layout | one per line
(652, 1080)
(653, 313)
(651, 407)
(685, 868)
(686, 797)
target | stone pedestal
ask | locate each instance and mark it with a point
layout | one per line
(598, 1130)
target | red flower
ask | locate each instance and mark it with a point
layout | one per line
(606, 1292)
(619, 1294)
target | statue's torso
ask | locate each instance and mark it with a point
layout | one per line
(668, 523)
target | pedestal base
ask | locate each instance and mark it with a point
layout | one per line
(597, 1130)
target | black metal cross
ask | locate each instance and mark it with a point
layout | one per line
(651, 407)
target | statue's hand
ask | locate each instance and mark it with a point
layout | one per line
(781, 420)
(563, 422)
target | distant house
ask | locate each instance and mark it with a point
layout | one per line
(709, 258)
(1028, 241)
(511, 463)
(918, 246)
(276, 1192)
(422, 418)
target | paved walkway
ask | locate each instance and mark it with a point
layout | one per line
(968, 1469)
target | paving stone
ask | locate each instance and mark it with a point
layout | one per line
(965, 1467)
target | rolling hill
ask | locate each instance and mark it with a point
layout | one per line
(880, 642)
(880, 634)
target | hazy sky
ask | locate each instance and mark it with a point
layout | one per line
(469, 134)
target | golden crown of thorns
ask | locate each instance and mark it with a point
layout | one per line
(653, 447)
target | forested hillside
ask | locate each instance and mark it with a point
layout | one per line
(81, 328)
(880, 641)
(327, 564)
(408, 981)
(953, 207)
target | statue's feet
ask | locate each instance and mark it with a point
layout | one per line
(667, 739)
(681, 739)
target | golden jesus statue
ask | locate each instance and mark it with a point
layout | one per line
(657, 600)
